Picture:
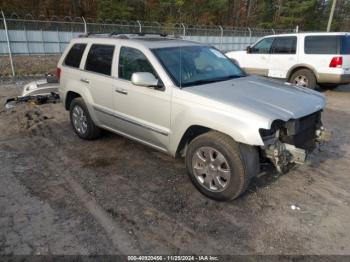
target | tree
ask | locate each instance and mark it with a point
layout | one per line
(307, 14)
(114, 9)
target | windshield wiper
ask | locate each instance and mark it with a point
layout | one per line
(207, 81)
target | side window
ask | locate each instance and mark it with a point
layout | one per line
(322, 45)
(262, 47)
(99, 59)
(74, 55)
(131, 61)
(284, 45)
(345, 47)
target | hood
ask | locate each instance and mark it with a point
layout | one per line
(262, 96)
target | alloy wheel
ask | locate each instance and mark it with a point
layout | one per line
(211, 169)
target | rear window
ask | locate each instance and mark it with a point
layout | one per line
(322, 45)
(99, 59)
(74, 55)
(345, 45)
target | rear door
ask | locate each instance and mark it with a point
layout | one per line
(97, 78)
(283, 56)
(257, 60)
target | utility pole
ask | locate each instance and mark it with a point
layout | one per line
(331, 15)
(8, 43)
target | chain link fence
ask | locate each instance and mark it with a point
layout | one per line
(41, 36)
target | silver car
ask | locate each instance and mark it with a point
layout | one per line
(188, 100)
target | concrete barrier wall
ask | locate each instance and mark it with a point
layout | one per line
(31, 42)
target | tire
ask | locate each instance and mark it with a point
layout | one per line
(304, 76)
(242, 164)
(89, 130)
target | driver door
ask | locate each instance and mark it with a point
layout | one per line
(257, 59)
(143, 113)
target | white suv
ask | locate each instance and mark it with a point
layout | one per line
(305, 59)
(189, 100)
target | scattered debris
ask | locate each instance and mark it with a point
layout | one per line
(37, 92)
(295, 207)
(36, 99)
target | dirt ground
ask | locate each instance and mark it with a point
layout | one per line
(28, 65)
(63, 195)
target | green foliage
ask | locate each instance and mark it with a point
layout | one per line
(295, 13)
(114, 9)
(307, 14)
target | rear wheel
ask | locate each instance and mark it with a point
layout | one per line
(303, 77)
(81, 121)
(219, 167)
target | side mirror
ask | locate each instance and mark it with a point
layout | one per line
(145, 79)
(249, 49)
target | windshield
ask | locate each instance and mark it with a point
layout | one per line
(196, 65)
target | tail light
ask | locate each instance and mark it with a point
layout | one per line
(336, 62)
(58, 73)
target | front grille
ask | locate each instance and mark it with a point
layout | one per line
(301, 132)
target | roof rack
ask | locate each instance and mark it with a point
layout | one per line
(123, 35)
(91, 34)
(139, 34)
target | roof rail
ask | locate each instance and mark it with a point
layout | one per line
(121, 34)
(93, 34)
(139, 34)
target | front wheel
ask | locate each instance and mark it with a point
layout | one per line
(219, 167)
(303, 77)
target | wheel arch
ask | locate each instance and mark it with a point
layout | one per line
(191, 133)
(297, 67)
(69, 98)
(196, 130)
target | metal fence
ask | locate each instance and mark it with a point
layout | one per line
(29, 36)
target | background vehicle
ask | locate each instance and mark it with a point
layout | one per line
(304, 59)
(188, 99)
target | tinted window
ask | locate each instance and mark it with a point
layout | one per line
(74, 55)
(131, 61)
(262, 47)
(345, 45)
(99, 59)
(284, 45)
(322, 45)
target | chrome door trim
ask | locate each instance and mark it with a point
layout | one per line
(126, 119)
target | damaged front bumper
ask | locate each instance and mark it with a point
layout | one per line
(283, 155)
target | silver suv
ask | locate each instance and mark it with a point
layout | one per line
(188, 100)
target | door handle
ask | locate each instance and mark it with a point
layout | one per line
(84, 80)
(121, 91)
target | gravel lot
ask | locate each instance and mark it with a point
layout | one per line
(62, 195)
